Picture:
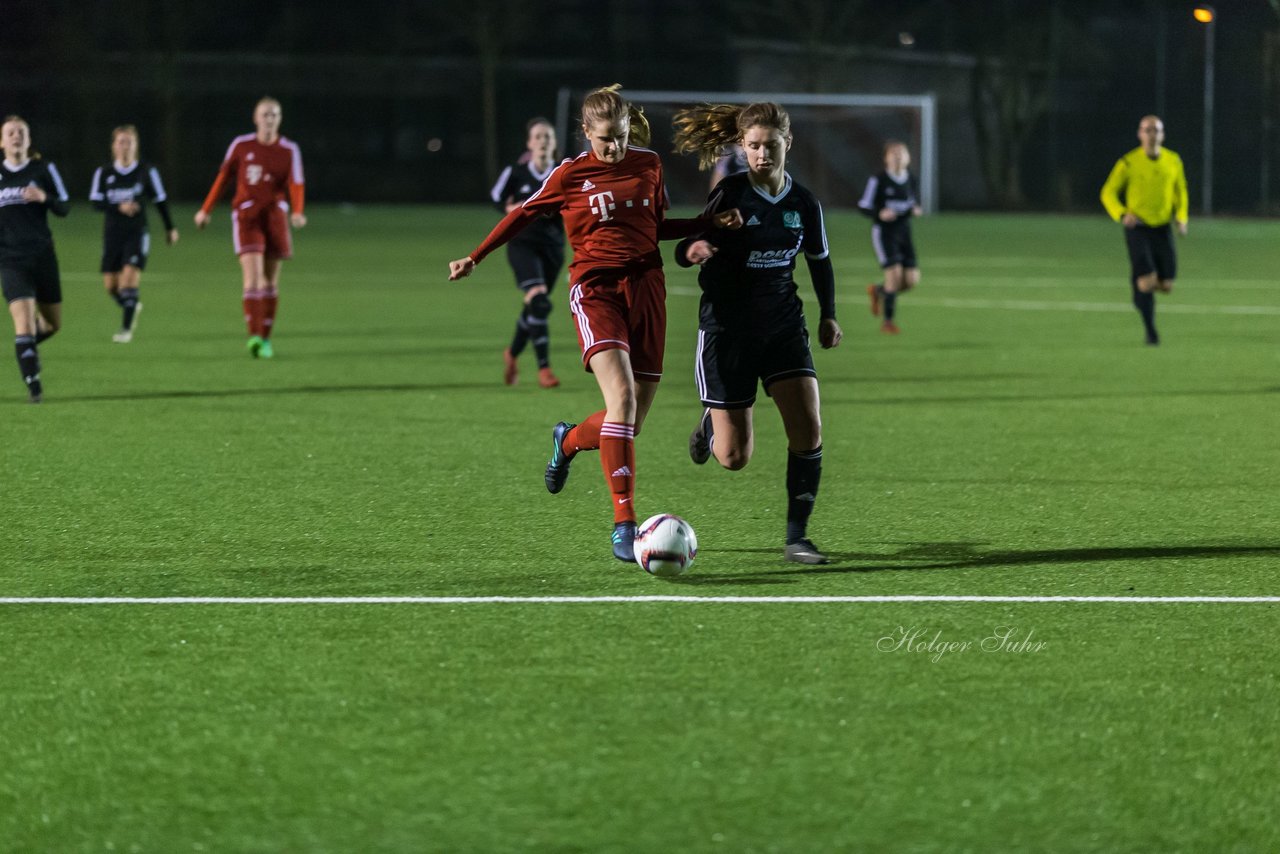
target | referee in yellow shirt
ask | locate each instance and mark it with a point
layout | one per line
(1147, 192)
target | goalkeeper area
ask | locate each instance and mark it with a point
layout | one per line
(839, 139)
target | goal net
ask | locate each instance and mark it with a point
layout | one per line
(839, 139)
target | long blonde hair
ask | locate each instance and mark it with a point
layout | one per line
(707, 128)
(605, 104)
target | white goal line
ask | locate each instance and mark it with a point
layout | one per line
(597, 600)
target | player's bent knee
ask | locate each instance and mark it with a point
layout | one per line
(540, 306)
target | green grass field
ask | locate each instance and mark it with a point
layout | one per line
(1017, 440)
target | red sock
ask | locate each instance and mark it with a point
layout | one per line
(270, 299)
(253, 311)
(586, 436)
(618, 459)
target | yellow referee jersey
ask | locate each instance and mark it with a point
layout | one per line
(1155, 191)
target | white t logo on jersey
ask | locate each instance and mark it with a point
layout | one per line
(601, 204)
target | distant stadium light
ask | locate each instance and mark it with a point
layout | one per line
(1207, 15)
(1204, 14)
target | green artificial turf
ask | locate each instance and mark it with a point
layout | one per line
(1017, 439)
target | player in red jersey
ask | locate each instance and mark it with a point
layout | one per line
(613, 201)
(267, 168)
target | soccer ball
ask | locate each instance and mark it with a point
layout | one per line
(666, 545)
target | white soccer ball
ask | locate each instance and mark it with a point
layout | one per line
(666, 545)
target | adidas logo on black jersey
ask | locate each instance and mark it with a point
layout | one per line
(753, 220)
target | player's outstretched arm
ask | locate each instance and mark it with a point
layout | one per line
(461, 268)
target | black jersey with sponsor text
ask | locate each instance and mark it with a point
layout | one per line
(24, 225)
(751, 278)
(900, 195)
(113, 186)
(518, 182)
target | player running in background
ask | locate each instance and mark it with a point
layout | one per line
(536, 254)
(891, 199)
(751, 325)
(29, 189)
(267, 169)
(1146, 192)
(732, 161)
(613, 201)
(121, 190)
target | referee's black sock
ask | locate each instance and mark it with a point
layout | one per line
(1146, 305)
(129, 302)
(889, 305)
(804, 472)
(28, 359)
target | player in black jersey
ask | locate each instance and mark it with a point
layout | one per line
(536, 254)
(751, 325)
(121, 190)
(890, 200)
(29, 189)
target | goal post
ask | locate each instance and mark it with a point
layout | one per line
(839, 138)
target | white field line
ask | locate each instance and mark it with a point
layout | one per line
(1046, 305)
(599, 600)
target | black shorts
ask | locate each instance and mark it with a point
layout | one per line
(32, 278)
(1151, 251)
(131, 248)
(535, 264)
(728, 365)
(893, 246)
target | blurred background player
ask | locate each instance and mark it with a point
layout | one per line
(751, 326)
(732, 161)
(891, 199)
(536, 254)
(29, 189)
(613, 201)
(1146, 192)
(267, 169)
(121, 190)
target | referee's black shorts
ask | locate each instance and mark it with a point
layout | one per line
(1151, 251)
(32, 278)
(535, 263)
(728, 365)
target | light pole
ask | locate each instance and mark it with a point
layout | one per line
(1207, 16)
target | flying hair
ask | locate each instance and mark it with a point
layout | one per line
(706, 129)
(605, 104)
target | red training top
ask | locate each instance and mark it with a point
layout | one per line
(614, 214)
(263, 172)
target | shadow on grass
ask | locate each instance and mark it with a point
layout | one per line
(1125, 394)
(960, 555)
(183, 394)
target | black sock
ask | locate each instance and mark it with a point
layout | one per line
(118, 297)
(28, 360)
(45, 335)
(804, 471)
(536, 314)
(1146, 305)
(890, 304)
(522, 333)
(129, 302)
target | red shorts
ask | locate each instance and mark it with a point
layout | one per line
(262, 228)
(623, 309)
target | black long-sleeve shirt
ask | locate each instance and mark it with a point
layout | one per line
(113, 186)
(24, 225)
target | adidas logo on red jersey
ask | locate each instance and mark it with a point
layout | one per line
(587, 186)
